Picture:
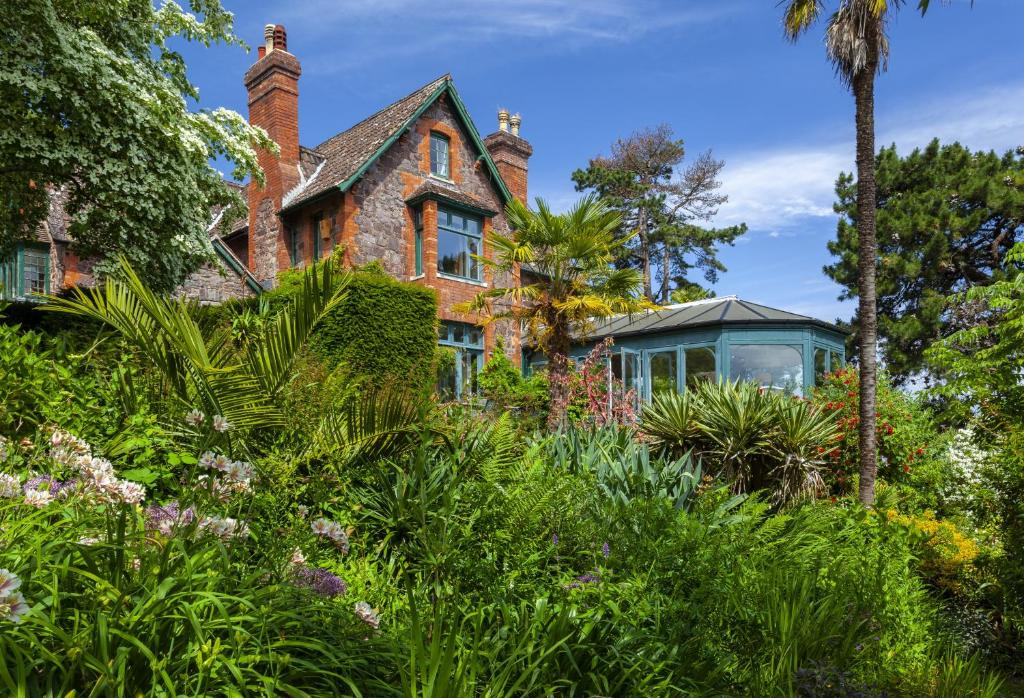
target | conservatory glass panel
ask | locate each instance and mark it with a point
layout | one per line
(663, 371)
(837, 361)
(774, 366)
(700, 366)
(820, 364)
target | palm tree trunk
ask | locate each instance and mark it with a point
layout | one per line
(864, 95)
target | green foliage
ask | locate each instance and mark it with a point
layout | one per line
(203, 370)
(382, 331)
(78, 78)
(912, 454)
(752, 438)
(503, 385)
(570, 254)
(947, 217)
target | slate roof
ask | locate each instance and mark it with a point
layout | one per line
(346, 152)
(434, 189)
(727, 310)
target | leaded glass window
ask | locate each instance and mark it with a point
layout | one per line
(439, 155)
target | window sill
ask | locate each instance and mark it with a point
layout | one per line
(417, 277)
(462, 279)
(439, 178)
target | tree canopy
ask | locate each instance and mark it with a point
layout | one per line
(659, 206)
(947, 217)
(95, 102)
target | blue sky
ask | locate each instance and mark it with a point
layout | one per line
(718, 71)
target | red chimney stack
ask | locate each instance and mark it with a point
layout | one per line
(273, 86)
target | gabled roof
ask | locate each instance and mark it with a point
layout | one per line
(727, 310)
(348, 155)
(431, 189)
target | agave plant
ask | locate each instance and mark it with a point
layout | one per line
(755, 439)
(202, 368)
(668, 422)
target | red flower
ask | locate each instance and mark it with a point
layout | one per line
(906, 468)
(920, 451)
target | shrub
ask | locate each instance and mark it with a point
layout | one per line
(383, 330)
(754, 439)
(912, 454)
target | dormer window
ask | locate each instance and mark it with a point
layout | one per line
(439, 155)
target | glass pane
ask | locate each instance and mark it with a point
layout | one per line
(474, 264)
(470, 368)
(458, 222)
(474, 337)
(439, 155)
(700, 365)
(458, 332)
(446, 382)
(837, 361)
(419, 252)
(663, 371)
(34, 272)
(820, 364)
(776, 366)
(442, 332)
(452, 255)
(473, 226)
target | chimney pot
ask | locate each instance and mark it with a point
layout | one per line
(503, 119)
(268, 38)
(261, 51)
(515, 121)
(280, 38)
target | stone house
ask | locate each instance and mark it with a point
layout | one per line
(413, 187)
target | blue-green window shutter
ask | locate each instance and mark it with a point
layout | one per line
(439, 155)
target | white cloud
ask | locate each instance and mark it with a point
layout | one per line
(361, 31)
(787, 187)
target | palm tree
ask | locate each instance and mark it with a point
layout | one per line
(857, 46)
(570, 254)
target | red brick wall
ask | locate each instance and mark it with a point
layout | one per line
(273, 87)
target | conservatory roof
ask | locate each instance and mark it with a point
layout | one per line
(725, 310)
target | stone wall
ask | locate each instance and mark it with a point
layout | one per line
(214, 283)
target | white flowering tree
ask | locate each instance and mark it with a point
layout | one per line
(95, 100)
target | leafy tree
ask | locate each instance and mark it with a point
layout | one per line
(95, 103)
(658, 209)
(946, 219)
(571, 255)
(858, 48)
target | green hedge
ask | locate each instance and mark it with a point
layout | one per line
(384, 330)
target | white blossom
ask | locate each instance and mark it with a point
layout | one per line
(195, 418)
(10, 486)
(220, 423)
(38, 498)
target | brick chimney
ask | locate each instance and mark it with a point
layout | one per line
(510, 152)
(273, 86)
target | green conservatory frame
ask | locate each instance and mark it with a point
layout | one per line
(13, 269)
(812, 347)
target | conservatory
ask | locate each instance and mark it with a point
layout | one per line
(719, 338)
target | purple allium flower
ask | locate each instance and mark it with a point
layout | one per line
(322, 581)
(606, 549)
(165, 518)
(43, 483)
(588, 578)
(554, 539)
